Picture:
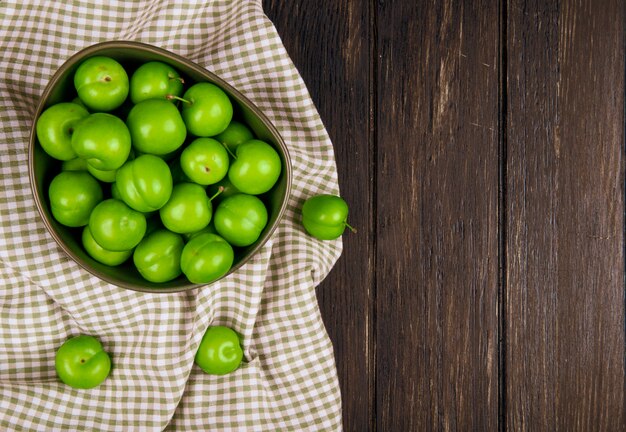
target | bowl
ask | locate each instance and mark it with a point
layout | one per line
(42, 168)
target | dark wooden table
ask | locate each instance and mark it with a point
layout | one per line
(480, 146)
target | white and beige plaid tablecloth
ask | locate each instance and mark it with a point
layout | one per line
(290, 382)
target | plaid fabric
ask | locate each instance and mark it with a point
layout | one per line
(289, 382)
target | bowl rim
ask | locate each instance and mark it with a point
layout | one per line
(117, 44)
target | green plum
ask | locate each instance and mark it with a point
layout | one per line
(240, 219)
(115, 226)
(206, 258)
(156, 127)
(235, 134)
(103, 140)
(325, 216)
(145, 183)
(77, 164)
(97, 252)
(256, 169)
(189, 209)
(73, 196)
(157, 257)
(82, 363)
(55, 127)
(106, 176)
(220, 351)
(206, 110)
(155, 80)
(101, 83)
(204, 161)
(225, 186)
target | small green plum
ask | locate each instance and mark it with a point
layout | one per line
(82, 363)
(256, 169)
(55, 127)
(206, 110)
(220, 351)
(204, 161)
(189, 209)
(155, 80)
(206, 258)
(97, 252)
(73, 195)
(103, 140)
(156, 127)
(115, 226)
(102, 83)
(325, 216)
(240, 219)
(157, 257)
(145, 183)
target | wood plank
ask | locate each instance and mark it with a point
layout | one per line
(565, 216)
(437, 243)
(329, 42)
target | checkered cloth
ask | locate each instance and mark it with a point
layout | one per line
(289, 381)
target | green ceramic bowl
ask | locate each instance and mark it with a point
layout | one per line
(43, 168)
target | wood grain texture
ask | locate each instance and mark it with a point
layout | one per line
(443, 192)
(329, 42)
(565, 216)
(437, 225)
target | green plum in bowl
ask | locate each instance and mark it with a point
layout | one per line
(161, 110)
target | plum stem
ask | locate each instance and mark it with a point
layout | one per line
(229, 151)
(219, 191)
(170, 97)
(351, 228)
